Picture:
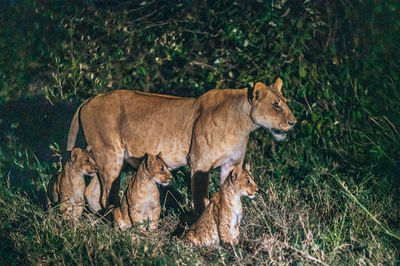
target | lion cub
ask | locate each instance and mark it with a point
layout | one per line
(219, 223)
(68, 188)
(141, 201)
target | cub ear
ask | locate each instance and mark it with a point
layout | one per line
(278, 85)
(74, 154)
(235, 173)
(146, 159)
(89, 148)
(159, 155)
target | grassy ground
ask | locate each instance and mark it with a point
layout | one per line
(329, 192)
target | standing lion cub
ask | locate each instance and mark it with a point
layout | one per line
(141, 201)
(219, 223)
(68, 189)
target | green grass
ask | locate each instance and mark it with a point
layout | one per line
(329, 193)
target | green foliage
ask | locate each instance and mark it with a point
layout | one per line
(339, 62)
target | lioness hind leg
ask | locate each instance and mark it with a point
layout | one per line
(110, 167)
(93, 193)
(199, 188)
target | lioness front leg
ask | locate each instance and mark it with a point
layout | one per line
(199, 188)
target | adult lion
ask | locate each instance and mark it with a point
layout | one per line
(208, 132)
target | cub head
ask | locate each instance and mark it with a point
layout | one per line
(269, 109)
(243, 181)
(83, 161)
(158, 169)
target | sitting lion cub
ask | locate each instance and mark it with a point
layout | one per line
(141, 201)
(219, 223)
(68, 188)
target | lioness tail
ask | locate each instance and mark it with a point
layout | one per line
(74, 127)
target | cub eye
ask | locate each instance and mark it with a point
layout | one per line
(276, 105)
(248, 181)
(162, 169)
(88, 160)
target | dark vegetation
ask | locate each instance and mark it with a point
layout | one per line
(330, 191)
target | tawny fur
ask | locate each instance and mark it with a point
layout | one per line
(68, 188)
(211, 131)
(141, 201)
(219, 223)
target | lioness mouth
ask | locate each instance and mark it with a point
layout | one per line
(277, 131)
(278, 134)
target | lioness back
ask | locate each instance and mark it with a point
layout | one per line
(132, 121)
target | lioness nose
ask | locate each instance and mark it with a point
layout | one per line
(291, 123)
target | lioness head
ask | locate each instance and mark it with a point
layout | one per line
(269, 109)
(158, 169)
(243, 181)
(83, 161)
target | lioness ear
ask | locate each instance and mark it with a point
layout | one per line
(255, 93)
(278, 85)
(258, 88)
(159, 155)
(247, 167)
(74, 154)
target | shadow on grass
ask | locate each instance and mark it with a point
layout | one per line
(27, 129)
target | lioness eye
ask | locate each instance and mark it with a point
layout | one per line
(87, 160)
(276, 105)
(162, 169)
(248, 181)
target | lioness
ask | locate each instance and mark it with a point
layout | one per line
(219, 223)
(141, 201)
(68, 188)
(208, 132)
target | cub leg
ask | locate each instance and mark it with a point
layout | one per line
(224, 230)
(72, 190)
(155, 216)
(122, 222)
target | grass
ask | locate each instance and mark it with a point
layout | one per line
(329, 194)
